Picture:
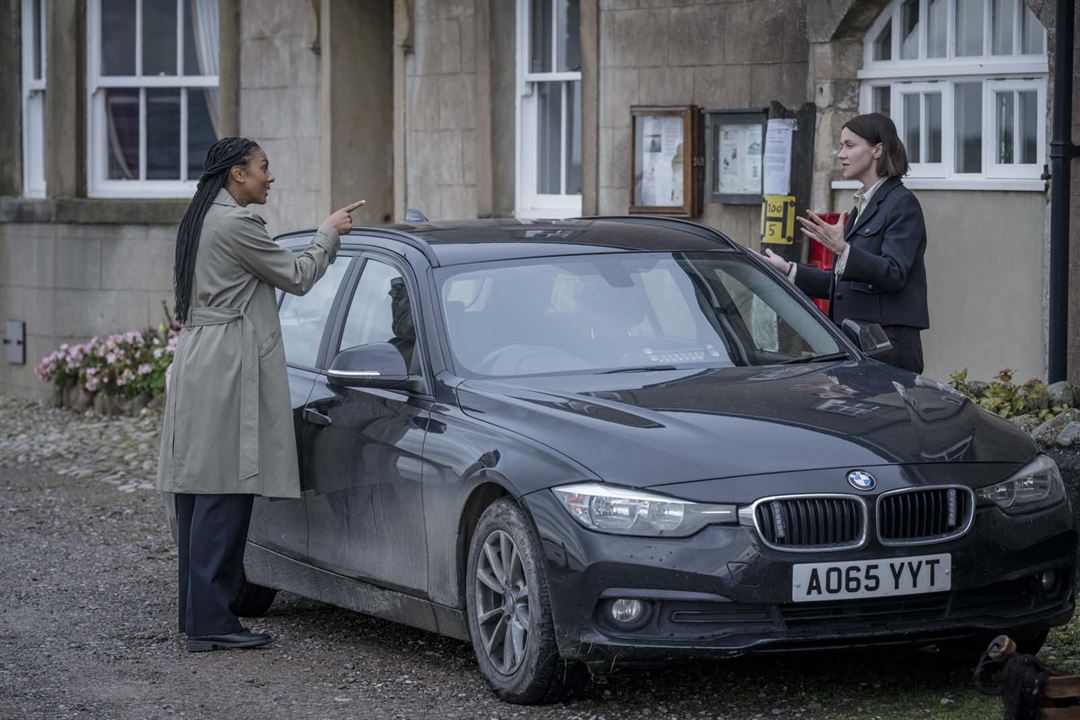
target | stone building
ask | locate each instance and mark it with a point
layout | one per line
(480, 108)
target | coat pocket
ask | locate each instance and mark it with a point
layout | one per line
(863, 287)
(269, 343)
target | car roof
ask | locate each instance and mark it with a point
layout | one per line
(485, 240)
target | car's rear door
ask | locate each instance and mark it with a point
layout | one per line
(364, 459)
(281, 524)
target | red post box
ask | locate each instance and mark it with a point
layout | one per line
(820, 257)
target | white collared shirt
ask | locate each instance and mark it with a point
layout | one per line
(862, 199)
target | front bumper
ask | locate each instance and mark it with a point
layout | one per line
(722, 593)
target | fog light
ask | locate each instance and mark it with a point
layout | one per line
(1047, 580)
(625, 611)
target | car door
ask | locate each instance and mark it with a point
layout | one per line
(365, 508)
(281, 524)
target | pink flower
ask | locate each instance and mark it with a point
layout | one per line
(145, 369)
(111, 358)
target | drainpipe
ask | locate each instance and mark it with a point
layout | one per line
(1062, 151)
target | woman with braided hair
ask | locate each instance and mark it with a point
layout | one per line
(227, 433)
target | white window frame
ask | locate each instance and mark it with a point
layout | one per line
(1017, 169)
(529, 202)
(923, 74)
(99, 185)
(33, 128)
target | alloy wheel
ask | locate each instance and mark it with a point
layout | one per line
(502, 602)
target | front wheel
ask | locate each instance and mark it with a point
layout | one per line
(509, 611)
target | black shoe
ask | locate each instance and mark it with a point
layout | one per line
(241, 639)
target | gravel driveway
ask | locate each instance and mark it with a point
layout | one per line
(87, 624)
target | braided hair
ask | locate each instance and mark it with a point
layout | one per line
(220, 158)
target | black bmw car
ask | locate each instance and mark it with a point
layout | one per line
(579, 444)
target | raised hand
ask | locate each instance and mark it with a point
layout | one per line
(342, 219)
(831, 236)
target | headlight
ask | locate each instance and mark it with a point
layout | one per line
(632, 512)
(1038, 485)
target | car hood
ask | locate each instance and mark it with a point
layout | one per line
(663, 427)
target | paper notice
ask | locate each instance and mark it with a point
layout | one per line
(778, 156)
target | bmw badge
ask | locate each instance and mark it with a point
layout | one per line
(861, 480)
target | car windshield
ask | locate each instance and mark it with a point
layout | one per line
(624, 312)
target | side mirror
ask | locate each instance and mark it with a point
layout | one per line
(870, 338)
(374, 365)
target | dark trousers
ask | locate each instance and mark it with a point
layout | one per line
(211, 534)
(906, 350)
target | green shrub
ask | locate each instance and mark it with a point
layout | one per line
(1002, 396)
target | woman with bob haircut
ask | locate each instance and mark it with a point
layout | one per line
(879, 275)
(227, 433)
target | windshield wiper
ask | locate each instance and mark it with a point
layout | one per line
(646, 368)
(825, 357)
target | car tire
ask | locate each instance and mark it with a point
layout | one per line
(969, 650)
(252, 600)
(509, 612)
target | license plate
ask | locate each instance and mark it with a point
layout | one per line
(813, 582)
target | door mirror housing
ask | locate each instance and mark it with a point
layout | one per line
(373, 365)
(870, 338)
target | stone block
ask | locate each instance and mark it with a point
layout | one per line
(424, 160)
(615, 158)
(722, 86)
(265, 62)
(26, 259)
(769, 22)
(421, 102)
(274, 18)
(456, 97)
(137, 264)
(78, 256)
(785, 83)
(457, 202)
(619, 89)
(740, 36)
(666, 86)
(467, 26)
(436, 42)
(81, 313)
(606, 5)
(614, 201)
(468, 157)
(155, 310)
(699, 34)
(307, 164)
(634, 38)
(446, 147)
(33, 306)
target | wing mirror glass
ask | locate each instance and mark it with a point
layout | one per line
(373, 365)
(870, 338)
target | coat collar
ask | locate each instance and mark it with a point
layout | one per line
(224, 197)
(875, 200)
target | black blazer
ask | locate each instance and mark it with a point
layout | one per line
(885, 277)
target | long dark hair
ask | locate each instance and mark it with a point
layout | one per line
(876, 128)
(222, 155)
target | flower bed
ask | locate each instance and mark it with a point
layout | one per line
(115, 374)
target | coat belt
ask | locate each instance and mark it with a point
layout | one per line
(249, 379)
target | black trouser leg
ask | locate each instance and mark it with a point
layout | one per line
(217, 533)
(906, 350)
(185, 505)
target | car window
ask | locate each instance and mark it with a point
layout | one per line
(381, 312)
(303, 317)
(621, 311)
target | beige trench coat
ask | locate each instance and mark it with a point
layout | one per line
(228, 425)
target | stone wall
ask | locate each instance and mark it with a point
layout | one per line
(717, 55)
(69, 282)
(279, 105)
(440, 94)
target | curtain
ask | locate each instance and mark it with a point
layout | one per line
(204, 27)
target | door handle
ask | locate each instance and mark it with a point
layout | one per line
(317, 416)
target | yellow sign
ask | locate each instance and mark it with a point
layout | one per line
(778, 220)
